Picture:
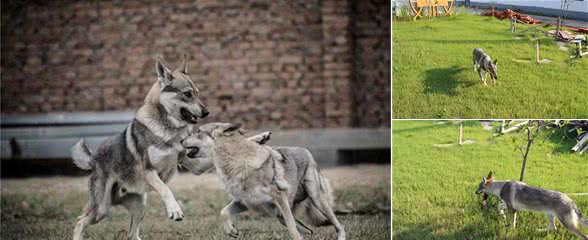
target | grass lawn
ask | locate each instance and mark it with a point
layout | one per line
(433, 187)
(46, 208)
(433, 75)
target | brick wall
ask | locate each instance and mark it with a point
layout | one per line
(272, 64)
(371, 66)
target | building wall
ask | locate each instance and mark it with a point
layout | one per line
(370, 32)
(271, 64)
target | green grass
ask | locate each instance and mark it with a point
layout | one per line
(433, 187)
(433, 75)
(52, 216)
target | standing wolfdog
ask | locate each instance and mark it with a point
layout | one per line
(519, 196)
(484, 65)
(274, 181)
(145, 155)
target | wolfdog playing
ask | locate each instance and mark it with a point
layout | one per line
(484, 65)
(145, 155)
(273, 180)
(519, 196)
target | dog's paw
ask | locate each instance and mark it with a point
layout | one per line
(231, 231)
(174, 212)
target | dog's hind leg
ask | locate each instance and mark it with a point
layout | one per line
(93, 213)
(281, 201)
(571, 221)
(551, 225)
(87, 218)
(104, 199)
(227, 213)
(313, 186)
(135, 204)
(300, 226)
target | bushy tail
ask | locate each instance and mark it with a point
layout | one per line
(327, 190)
(81, 155)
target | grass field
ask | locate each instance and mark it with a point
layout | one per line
(433, 75)
(433, 187)
(46, 208)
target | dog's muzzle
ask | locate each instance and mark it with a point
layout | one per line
(188, 116)
(192, 152)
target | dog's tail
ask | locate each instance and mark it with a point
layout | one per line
(81, 155)
(583, 220)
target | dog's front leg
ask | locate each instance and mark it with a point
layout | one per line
(481, 73)
(281, 201)
(174, 211)
(501, 206)
(485, 77)
(514, 218)
(228, 211)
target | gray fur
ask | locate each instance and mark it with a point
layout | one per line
(81, 155)
(144, 156)
(520, 196)
(273, 180)
(484, 65)
(201, 163)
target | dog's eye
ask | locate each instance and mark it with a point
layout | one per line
(188, 94)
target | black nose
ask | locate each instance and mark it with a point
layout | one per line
(182, 141)
(205, 113)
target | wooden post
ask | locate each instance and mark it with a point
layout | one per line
(537, 50)
(513, 22)
(460, 138)
(558, 26)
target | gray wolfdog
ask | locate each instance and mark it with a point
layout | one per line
(145, 155)
(484, 65)
(273, 180)
(519, 196)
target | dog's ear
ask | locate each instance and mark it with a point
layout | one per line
(495, 61)
(483, 179)
(490, 175)
(183, 68)
(163, 73)
(232, 127)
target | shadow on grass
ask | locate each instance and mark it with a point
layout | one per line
(443, 80)
(563, 139)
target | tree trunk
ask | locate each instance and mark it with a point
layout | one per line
(526, 155)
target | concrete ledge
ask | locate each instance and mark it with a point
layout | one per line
(51, 136)
(53, 119)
